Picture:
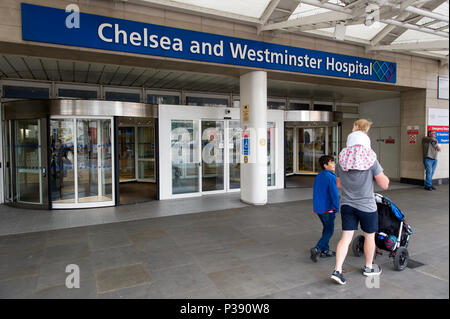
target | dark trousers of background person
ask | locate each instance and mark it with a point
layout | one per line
(430, 166)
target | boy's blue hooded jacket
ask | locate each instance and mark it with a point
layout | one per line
(325, 195)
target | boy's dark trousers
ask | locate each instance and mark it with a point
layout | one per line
(327, 220)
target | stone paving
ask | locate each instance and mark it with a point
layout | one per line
(244, 252)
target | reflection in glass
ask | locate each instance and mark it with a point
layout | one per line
(305, 150)
(234, 145)
(127, 162)
(271, 154)
(311, 145)
(184, 152)
(212, 155)
(28, 161)
(62, 180)
(290, 150)
(319, 146)
(94, 161)
(146, 152)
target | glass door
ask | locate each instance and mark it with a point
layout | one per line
(313, 143)
(234, 153)
(213, 147)
(185, 156)
(146, 153)
(320, 138)
(81, 162)
(289, 150)
(305, 143)
(62, 169)
(94, 160)
(271, 167)
(127, 165)
(27, 163)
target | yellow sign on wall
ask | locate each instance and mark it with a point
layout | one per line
(246, 113)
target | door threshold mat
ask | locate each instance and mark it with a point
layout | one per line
(414, 264)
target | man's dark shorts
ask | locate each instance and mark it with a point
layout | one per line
(351, 216)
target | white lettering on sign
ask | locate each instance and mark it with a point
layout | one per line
(138, 39)
(110, 33)
(349, 68)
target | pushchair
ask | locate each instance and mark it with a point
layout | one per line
(392, 236)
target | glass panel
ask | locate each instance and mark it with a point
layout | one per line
(62, 174)
(319, 146)
(333, 141)
(146, 152)
(7, 159)
(298, 106)
(212, 155)
(146, 169)
(28, 161)
(305, 150)
(75, 93)
(276, 105)
(25, 92)
(290, 150)
(127, 163)
(206, 101)
(184, 151)
(323, 107)
(271, 154)
(94, 160)
(163, 99)
(234, 145)
(121, 96)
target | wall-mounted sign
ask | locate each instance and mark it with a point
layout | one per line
(246, 114)
(390, 140)
(246, 146)
(438, 122)
(412, 132)
(45, 24)
(443, 87)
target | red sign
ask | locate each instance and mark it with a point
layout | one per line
(438, 128)
(390, 140)
(413, 132)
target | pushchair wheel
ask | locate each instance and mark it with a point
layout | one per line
(401, 258)
(358, 246)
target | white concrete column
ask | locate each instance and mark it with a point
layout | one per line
(253, 97)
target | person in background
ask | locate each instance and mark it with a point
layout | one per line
(325, 205)
(430, 149)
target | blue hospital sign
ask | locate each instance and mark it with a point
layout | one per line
(45, 24)
(246, 146)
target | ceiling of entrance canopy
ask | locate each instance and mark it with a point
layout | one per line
(417, 27)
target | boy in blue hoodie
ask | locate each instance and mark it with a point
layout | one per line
(325, 205)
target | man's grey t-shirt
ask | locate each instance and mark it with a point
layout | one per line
(357, 187)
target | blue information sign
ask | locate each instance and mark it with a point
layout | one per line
(246, 146)
(45, 24)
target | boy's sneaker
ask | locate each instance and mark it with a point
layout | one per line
(374, 271)
(338, 277)
(328, 253)
(314, 254)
